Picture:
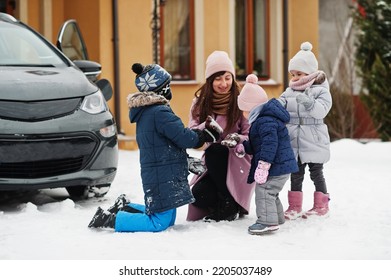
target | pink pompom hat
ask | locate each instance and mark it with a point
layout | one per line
(251, 94)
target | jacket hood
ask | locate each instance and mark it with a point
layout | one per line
(274, 108)
(139, 100)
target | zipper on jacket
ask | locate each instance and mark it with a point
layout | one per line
(298, 131)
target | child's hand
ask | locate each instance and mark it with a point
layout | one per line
(211, 124)
(196, 166)
(212, 131)
(305, 100)
(262, 172)
(231, 140)
(239, 151)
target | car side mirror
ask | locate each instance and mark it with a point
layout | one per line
(105, 86)
(90, 68)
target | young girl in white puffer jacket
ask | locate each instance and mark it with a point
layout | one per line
(308, 101)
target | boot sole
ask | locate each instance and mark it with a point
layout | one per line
(304, 216)
(265, 231)
(290, 218)
(228, 219)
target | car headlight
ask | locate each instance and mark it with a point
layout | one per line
(108, 131)
(94, 103)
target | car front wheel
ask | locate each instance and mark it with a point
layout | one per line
(85, 192)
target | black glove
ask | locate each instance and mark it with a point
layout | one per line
(196, 166)
(211, 124)
(206, 135)
(211, 133)
(212, 130)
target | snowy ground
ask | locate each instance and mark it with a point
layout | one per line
(50, 226)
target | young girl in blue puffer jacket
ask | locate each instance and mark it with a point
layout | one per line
(272, 160)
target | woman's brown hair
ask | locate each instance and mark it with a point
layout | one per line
(203, 106)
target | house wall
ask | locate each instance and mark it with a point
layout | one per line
(302, 25)
(214, 30)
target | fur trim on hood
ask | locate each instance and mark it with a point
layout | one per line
(140, 99)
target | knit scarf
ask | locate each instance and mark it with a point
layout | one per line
(304, 82)
(255, 112)
(220, 103)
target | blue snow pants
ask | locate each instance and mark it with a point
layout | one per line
(141, 222)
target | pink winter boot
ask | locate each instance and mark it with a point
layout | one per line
(321, 205)
(295, 200)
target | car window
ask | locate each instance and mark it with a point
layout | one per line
(21, 47)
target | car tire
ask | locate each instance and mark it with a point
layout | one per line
(77, 191)
(85, 192)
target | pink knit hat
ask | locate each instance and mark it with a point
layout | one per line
(218, 61)
(251, 94)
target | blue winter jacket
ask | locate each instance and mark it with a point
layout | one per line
(162, 140)
(269, 141)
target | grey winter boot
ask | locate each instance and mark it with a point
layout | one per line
(102, 219)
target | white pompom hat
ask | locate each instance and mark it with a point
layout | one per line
(251, 94)
(305, 60)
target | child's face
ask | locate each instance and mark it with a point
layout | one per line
(223, 83)
(296, 75)
(246, 114)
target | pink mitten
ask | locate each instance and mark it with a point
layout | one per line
(261, 172)
(239, 151)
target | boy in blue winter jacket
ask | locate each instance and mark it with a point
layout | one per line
(273, 159)
(162, 140)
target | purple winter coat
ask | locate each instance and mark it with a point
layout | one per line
(238, 168)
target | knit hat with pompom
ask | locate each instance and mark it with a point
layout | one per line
(154, 78)
(305, 60)
(251, 94)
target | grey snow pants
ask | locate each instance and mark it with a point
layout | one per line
(268, 205)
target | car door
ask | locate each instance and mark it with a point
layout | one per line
(70, 41)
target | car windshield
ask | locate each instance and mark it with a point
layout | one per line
(21, 47)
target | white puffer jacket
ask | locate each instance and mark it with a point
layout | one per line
(309, 134)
